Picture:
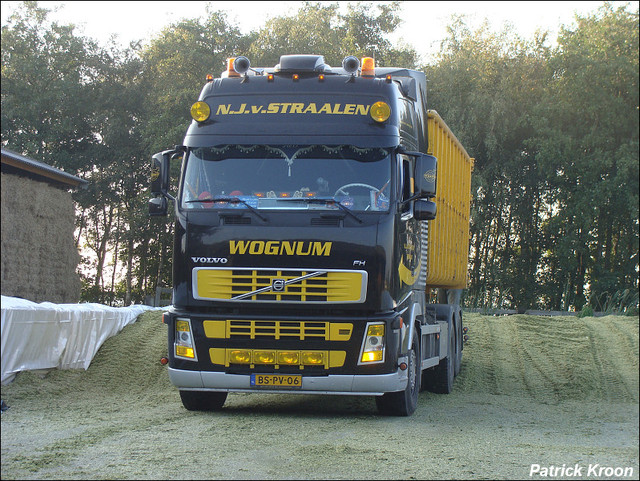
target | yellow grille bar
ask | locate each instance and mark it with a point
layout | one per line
(279, 285)
(328, 331)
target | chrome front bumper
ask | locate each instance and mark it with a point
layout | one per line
(370, 385)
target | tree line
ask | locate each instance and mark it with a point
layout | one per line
(553, 130)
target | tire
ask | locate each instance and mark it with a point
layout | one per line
(439, 379)
(203, 400)
(404, 403)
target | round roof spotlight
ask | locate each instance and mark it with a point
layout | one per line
(351, 64)
(380, 112)
(241, 65)
(200, 111)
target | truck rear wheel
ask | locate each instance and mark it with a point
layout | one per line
(404, 403)
(203, 400)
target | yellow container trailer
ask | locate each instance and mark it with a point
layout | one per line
(448, 234)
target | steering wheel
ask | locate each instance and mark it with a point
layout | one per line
(346, 186)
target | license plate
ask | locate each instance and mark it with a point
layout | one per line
(276, 380)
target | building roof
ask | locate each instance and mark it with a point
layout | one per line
(40, 169)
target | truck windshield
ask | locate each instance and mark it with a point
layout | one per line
(274, 177)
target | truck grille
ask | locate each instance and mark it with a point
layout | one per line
(251, 329)
(279, 285)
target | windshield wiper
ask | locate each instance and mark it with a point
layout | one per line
(230, 200)
(323, 200)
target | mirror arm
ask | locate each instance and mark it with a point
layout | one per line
(410, 199)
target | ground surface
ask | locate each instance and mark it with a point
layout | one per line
(532, 390)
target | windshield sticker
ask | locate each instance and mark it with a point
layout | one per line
(293, 108)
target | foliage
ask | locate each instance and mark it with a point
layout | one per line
(555, 137)
(47, 90)
(586, 311)
(588, 138)
(486, 85)
(320, 28)
(619, 302)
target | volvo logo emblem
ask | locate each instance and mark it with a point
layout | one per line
(277, 285)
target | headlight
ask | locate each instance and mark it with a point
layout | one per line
(373, 344)
(183, 344)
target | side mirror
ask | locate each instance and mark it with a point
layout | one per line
(425, 176)
(160, 173)
(158, 206)
(424, 209)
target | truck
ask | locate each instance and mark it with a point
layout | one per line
(307, 255)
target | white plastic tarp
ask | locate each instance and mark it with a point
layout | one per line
(65, 336)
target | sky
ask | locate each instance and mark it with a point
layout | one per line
(424, 25)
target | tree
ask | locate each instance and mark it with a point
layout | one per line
(78, 107)
(485, 85)
(320, 29)
(589, 143)
(47, 90)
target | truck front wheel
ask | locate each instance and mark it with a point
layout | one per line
(203, 400)
(404, 403)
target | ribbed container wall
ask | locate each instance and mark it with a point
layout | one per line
(448, 236)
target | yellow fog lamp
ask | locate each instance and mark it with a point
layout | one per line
(312, 358)
(288, 357)
(200, 111)
(373, 345)
(183, 344)
(380, 112)
(264, 357)
(240, 356)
